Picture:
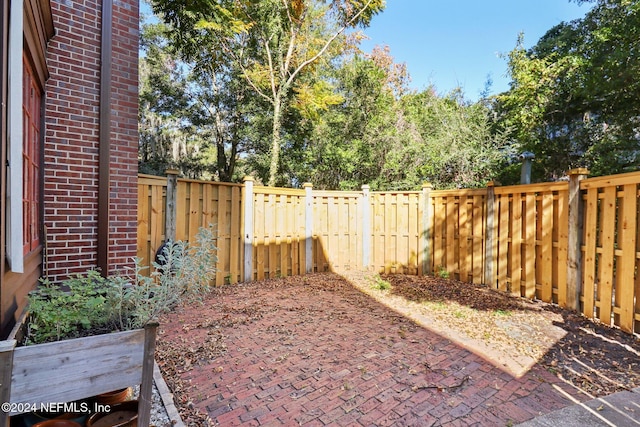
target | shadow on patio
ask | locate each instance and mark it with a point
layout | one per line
(316, 350)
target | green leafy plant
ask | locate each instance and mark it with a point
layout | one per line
(442, 272)
(89, 304)
(380, 284)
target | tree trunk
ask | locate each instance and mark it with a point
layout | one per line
(276, 138)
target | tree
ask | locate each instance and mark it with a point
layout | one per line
(193, 119)
(273, 42)
(573, 98)
(390, 137)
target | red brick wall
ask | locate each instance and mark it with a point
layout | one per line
(72, 136)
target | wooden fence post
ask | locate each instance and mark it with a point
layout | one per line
(146, 387)
(308, 227)
(427, 216)
(247, 197)
(489, 249)
(574, 253)
(366, 226)
(6, 360)
(171, 205)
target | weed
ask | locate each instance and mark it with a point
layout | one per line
(500, 312)
(442, 272)
(459, 314)
(380, 284)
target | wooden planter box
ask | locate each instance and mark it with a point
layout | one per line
(69, 370)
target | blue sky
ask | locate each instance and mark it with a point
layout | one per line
(451, 43)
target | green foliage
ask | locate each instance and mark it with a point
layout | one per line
(442, 272)
(83, 302)
(90, 304)
(573, 98)
(272, 43)
(380, 284)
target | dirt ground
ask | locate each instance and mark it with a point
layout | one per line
(513, 333)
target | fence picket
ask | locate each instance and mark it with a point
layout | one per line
(626, 262)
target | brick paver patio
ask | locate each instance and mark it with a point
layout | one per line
(315, 351)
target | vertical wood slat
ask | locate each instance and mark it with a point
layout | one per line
(516, 244)
(546, 291)
(259, 239)
(463, 242)
(575, 222)
(450, 235)
(530, 245)
(143, 231)
(426, 229)
(6, 361)
(478, 239)
(625, 282)
(589, 265)
(146, 385)
(490, 257)
(503, 241)
(223, 233)
(560, 265)
(235, 237)
(606, 265)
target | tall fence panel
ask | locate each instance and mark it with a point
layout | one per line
(532, 229)
(201, 204)
(611, 282)
(151, 216)
(278, 232)
(337, 230)
(396, 232)
(457, 229)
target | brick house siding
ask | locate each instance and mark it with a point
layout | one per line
(72, 138)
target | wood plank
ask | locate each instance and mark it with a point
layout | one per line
(259, 240)
(463, 239)
(546, 277)
(530, 245)
(438, 235)
(143, 230)
(478, 239)
(611, 180)
(6, 361)
(625, 284)
(605, 282)
(146, 384)
(235, 236)
(589, 265)
(283, 233)
(516, 245)
(157, 225)
(270, 234)
(563, 244)
(195, 210)
(59, 371)
(223, 233)
(451, 221)
(503, 241)
(390, 242)
(414, 261)
(182, 208)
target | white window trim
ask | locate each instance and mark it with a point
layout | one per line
(14, 223)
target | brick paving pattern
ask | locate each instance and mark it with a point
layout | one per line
(314, 351)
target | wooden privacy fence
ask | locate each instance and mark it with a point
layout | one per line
(574, 243)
